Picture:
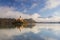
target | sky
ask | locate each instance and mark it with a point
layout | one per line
(39, 10)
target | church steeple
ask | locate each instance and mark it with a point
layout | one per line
(20, 16)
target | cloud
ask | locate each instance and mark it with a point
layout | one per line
(56, 14)
(54, 18)
(33, 5)
(6, 12)
(52, 4)
(35, 16)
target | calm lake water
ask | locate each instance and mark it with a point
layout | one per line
(37, 32)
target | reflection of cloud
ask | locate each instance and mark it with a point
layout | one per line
(39, 32)
(27, 36)
(48, 32)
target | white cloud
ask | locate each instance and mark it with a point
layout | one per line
(55, 17)
(33, 5)
(52, 4)
(6, 12)
(35, 16)
(56, 14)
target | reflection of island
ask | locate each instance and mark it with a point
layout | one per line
(20, 27)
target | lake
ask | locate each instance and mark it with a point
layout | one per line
(36, 32)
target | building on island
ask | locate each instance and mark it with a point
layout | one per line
(20, 19)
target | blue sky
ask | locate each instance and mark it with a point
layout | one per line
(21, 5)
(44, 8)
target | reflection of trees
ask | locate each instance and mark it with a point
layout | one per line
(6, 26)
(12, 23)
(20, 27)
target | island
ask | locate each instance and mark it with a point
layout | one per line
(12, 22)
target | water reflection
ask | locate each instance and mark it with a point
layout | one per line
(38, 32)
(20, 27)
